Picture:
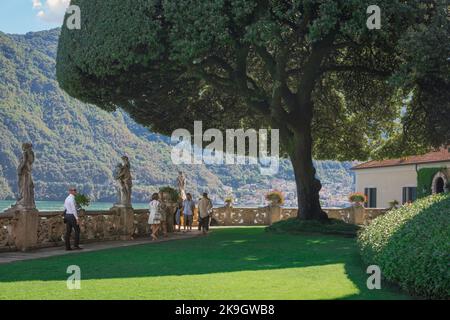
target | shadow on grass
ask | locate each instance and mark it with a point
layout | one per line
(224, 250)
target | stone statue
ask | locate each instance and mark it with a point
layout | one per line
(181, 181)
(125, 182)
(26, 185)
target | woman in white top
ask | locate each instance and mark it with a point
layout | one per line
(154, 218)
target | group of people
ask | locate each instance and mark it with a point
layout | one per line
(157, 216)
(185, 209)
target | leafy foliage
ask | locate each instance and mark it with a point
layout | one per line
(424, 181)
(276, 197)
(411, 246)
(82, 200)
(192, 58)
(173, 194)
(309, 68)
(357, 197)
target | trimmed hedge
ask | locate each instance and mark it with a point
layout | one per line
(411, 245)
(330, 226)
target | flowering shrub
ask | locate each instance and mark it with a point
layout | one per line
(357, 197)
(275, 197)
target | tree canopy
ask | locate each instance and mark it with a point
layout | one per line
(312, 69)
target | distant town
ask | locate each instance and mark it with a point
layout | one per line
(331, 195)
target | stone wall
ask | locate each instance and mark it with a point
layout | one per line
(6, 235)
(229, 216)
(126, 223)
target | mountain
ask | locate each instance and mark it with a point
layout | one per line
(79, 144)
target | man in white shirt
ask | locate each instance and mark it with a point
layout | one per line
(71, 219)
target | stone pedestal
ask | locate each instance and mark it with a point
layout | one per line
(274, 214)
(126, 221)
(25, 228)
(170, 216)
(227, 215)
(356, 215)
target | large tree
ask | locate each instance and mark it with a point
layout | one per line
(312, 69)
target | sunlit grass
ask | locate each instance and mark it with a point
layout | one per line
(245, 263)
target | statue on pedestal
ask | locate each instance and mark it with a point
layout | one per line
(181, 181)
(25, 180)
(125, 182)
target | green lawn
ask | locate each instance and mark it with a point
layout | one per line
(238, 263)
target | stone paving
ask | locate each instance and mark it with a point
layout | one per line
(8, 257)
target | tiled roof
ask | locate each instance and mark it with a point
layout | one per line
(441, 155)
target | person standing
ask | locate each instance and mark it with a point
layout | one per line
(154, 219)
(72, 220)
(178, 214)
(204, 212)
(188, 211)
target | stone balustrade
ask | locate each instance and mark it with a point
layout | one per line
(20, 231)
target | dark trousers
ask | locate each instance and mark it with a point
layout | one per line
(204, 223)
(71, 223)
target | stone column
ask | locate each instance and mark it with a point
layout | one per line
(248, 217)
(274, 214)
(356, 215)
(126, 221)
(227, 216)
(25, 229)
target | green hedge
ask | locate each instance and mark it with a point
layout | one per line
(424, 181)
(411, 245)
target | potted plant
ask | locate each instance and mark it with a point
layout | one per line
(82, 200)
(357, 198)
(276, 198)
(228, 201)
(171, 193)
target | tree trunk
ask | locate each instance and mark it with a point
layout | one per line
(308, 186)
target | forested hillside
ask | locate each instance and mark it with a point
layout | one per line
(79, 144)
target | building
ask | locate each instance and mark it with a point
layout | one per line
(391, 180)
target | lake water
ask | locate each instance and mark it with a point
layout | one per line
(58, 205)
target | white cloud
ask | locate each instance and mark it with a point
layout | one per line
(37, 4)
(52, 11)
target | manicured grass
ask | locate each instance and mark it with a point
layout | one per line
(234, 263)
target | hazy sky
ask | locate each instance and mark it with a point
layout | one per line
(22, 16)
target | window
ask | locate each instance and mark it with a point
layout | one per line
(409, 194)
(371, 194)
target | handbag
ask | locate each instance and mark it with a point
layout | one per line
(64, 216)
